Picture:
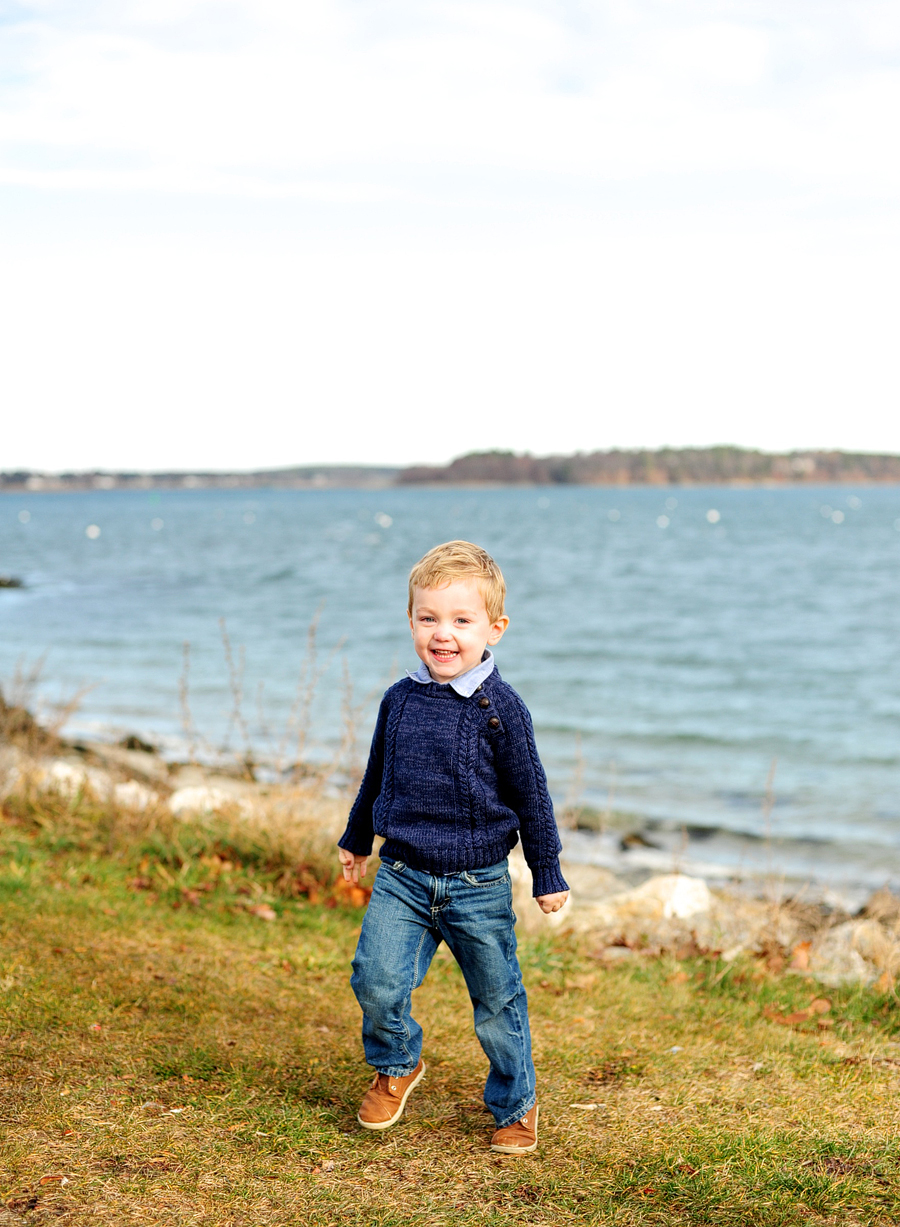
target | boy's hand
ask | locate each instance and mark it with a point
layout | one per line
(552, 903)
(354, 866)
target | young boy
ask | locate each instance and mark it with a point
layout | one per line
(453, 777)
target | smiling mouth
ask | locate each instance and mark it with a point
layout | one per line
(443, 655)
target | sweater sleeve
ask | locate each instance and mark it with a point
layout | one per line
(360, 830)
(524, 784)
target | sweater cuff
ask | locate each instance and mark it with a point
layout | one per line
(548, 880)
(358, 845)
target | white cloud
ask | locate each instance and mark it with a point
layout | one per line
(273, 232)
(226, 98)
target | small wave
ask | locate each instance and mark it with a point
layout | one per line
(698, 833)
(277, 576)
(751, 799)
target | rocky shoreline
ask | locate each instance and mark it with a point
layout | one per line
(673, 914)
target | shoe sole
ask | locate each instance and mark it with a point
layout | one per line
(520, 1150)
(386, 1124)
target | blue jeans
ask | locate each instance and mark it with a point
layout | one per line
(409, 914)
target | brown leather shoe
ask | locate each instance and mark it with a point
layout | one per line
(518, 1138)
(386, 1098)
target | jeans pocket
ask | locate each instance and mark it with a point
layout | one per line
(485, 878)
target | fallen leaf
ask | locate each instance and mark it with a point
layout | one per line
(351, 892)
(59, 1178)
(95, 1027)
(819, 1005)
(263, 911)
(791, 1020)
(800, 956)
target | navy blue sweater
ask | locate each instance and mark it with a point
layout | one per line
(451, 781)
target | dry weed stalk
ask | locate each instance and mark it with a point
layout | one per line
(299, 721)
(351, 714)
(262, 721)
(298, 725)
(236, 685)
(774, 885)
(35, 734)
(187, 720)
(574, 800)
(606, 817)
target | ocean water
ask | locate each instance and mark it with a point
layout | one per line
(677, 647)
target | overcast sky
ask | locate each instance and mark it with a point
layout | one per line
(270, 232)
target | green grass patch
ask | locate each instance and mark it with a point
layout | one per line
(171, 1056)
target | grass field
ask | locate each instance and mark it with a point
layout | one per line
(171, 1056)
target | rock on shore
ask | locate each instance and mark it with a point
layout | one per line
(674, 913)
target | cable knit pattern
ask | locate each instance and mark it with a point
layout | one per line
(448, 790)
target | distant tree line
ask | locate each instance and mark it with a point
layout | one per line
(309, 478)
(663, 467)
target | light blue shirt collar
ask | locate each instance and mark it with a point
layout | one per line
(467, 683)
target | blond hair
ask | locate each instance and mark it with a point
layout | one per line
(460, 560)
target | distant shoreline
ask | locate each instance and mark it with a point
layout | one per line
(709, 466)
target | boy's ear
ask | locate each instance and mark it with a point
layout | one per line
(497, 630)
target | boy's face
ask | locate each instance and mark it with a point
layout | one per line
(451, 628)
